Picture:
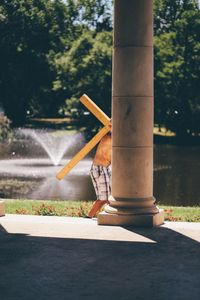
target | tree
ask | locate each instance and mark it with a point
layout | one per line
(177, 49)
(96, 14)
(86, 68)
(31, 33)
(167, 12)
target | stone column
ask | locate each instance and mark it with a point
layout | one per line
(2, 208)
(132, 201)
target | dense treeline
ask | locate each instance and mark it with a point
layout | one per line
(177, 65)
(53, 51)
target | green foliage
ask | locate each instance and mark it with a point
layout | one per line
(96, 14)
(29, 30)
(5, 131)
(45, 210)
(167, 12)
(32, 32)
(53, 51)
(86, 68)
(177, 57)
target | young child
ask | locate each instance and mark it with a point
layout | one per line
(101, 173)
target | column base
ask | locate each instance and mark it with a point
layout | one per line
(2, 208)
(145, 220)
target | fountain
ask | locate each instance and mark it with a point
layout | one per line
(28, 173)
(54, 145)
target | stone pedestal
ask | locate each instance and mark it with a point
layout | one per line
(147, 220)
(132, 201)
(2, 208)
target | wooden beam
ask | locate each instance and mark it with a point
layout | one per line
(103, 118)
(97, 112)
(83, 152)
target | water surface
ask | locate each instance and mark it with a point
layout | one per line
(27, 172)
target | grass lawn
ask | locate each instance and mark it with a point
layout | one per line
(81, 208)
(48, 208)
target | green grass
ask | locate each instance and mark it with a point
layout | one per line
(81, 208)
(180, 213)
(48, 208)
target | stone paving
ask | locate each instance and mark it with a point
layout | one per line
(74, 258)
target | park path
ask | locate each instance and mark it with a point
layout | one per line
(74, 258)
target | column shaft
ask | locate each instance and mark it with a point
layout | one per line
(132, 113)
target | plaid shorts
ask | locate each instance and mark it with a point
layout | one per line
(100, 176)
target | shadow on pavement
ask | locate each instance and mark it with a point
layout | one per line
(62, 268)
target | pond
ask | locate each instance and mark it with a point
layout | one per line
(29, 164)
(177, 174)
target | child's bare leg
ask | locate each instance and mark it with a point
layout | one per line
(96, 207)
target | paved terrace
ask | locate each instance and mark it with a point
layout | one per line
(59, 258)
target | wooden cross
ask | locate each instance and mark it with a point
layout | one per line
(99, 114)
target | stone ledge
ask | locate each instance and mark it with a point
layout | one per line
(2, 208)
(149, 220)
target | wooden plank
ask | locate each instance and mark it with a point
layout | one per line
(83, 152)
(99, 114)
